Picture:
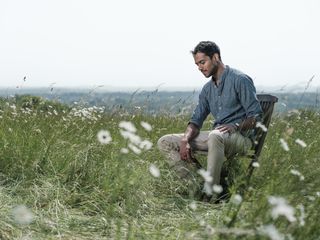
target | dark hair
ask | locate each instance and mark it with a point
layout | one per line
(207, 47)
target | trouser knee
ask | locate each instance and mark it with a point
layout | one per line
(167, 142)
(160, 142)
(215, 136)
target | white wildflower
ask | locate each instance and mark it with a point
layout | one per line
(263, 127)
(255, 164)
(134, 148)
(294, 111)
(145, 144)
(217, 188)
(206, 175)
(154, 170)
(280, 207)
(37, 130)
(202, 222)
(22, 215)
(146, 126)
(284, 144)
(124, 150)
(193, 205)
(272, 232)
(283, 104)
(237, 199)
(301, 143)
(318, 194)
(207, 188)
(302, 215)
(311, 198)
(128, 126)
(297, 173)
(209, 230)
(104, 137)
(135, 139)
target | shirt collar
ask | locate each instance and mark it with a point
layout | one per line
(223, 76)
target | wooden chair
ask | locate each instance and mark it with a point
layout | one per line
(267, 103)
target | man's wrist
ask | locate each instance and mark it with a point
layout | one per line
(184, 140)
(236, 126)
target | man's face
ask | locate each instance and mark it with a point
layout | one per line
(208, 66)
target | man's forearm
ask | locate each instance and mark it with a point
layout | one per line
(191, 132)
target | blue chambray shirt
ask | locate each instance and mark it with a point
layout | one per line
(231, 102)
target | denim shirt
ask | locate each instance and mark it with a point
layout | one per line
(232, 101)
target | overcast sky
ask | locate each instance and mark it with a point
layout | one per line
(145, 43)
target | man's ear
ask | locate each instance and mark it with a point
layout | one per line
(216, 56)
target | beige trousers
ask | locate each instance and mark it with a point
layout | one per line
(218, 145)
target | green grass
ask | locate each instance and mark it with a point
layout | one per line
(76, 188)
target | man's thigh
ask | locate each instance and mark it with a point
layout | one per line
(236, 143)
(200, 143)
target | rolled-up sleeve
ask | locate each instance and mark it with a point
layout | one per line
(201, 111)
(248, 97)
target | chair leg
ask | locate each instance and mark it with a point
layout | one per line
(251, 168)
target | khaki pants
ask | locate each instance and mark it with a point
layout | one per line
(218, 145)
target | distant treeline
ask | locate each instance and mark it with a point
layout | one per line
(153, 102)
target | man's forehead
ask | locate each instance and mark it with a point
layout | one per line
(200, 56)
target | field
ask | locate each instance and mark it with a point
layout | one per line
(61, 177)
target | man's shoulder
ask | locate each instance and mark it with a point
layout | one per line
(238, 76)
(237, 73)
(207, 85)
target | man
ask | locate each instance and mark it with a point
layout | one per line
(230, 96)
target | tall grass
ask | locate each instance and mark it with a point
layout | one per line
(74, 187)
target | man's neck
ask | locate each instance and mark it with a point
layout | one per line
(216, 78)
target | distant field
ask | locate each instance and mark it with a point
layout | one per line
(156, 101)
(62, 178)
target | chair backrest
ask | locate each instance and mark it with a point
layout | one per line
(267, 102)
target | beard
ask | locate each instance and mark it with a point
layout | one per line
(213, 71)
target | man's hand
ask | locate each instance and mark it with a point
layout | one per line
(191, 132)
(227, 128)
(185, 150)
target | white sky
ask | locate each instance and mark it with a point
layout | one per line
(145, 43)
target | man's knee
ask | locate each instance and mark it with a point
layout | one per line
(167, 142)
(215, 136)
(162, 142)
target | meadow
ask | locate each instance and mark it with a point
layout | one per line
(83, 173)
